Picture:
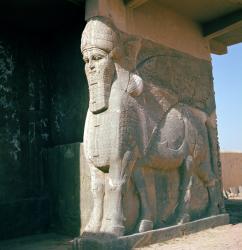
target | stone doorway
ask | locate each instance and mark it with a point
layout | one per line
(42, 91)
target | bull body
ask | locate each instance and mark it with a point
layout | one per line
(127, 137)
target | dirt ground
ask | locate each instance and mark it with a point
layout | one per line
(219, 238)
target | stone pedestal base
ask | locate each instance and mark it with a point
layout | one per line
(109, 242)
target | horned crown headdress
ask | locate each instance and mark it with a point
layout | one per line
(99, 33)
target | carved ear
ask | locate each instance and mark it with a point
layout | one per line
(135, 86)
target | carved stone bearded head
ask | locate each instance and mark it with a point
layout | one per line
(99, 40)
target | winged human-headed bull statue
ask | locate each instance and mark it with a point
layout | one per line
(133, 124)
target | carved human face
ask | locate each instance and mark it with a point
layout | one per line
(100, 71)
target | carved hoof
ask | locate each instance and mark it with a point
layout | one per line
(145, 225)
(115, 229)
(184, 219)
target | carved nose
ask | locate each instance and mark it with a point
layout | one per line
(91, 66)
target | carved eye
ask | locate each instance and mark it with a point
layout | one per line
(97, 57)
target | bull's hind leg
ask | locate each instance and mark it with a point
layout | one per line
(207, 177)
(185, 197)
(97, 188)
(146, 222)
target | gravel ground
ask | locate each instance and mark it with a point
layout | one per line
(219, 238)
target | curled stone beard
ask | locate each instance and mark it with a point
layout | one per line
(99, 90)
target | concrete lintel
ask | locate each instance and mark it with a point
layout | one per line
(104, 241)
(222, 25)
(217, 48)
(134, 3)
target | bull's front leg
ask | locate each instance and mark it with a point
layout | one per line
(98, 189)
(118, 177)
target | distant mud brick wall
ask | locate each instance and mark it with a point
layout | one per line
(231, 169)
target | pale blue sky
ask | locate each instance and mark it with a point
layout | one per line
(227, 73)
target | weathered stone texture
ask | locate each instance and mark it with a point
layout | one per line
(43, 101)
(24, 117)
(23, 129)
(69, 185)
(69, 99)
(63, 179)
(189, 78)
(150, 129)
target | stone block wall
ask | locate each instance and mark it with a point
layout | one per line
(68, 88)
(69, 186)
(23, 132)
(43, 102)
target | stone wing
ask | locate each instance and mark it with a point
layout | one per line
(179, 74)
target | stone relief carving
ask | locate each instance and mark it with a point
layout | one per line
(143, 134)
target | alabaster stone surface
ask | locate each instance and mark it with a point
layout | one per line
(150, 136)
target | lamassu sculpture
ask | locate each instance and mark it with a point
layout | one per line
(133, 125)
